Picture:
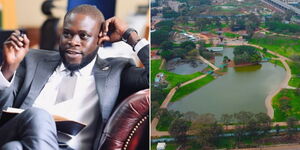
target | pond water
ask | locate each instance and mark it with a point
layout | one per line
(183, 67)
(241, 89)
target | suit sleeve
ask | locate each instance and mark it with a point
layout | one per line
(4, 83)
(8, 90)
(134, 78)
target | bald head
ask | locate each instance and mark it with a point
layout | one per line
(88, 10)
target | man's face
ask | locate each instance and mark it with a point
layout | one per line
(78, 42)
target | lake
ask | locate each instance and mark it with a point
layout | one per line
(241, 89)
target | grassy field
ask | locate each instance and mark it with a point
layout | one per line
(231, 35)
(293, 103)
(152, 49)
(295, 69)
(283, 45)
(186, 90)
(277, 62)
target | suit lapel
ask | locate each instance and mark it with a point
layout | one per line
(101, 71)
(43, 71)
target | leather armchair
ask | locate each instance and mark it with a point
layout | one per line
(128, 127)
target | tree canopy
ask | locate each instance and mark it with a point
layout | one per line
(246, 54)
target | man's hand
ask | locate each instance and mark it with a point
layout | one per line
(14, 50)
(112, 30)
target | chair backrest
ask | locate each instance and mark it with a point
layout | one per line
(49, 36)
(128, 127)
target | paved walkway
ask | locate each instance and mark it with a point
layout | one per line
(165, 103)
(162, 64)
(207, 62)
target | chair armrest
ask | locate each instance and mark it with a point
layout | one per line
(128, 127)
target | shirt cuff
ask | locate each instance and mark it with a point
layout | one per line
(3, 81)
(140, 45)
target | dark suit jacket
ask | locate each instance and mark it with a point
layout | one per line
(115, 78)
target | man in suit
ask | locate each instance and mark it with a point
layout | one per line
(73, 83)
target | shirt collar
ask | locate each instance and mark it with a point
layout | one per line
(85, 71)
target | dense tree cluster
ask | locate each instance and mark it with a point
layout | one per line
(206, 131)
(162, 33)
(169, 50)
(276, 23)
(246, 54)
(279, 27)
(169, 13)
(249, 23)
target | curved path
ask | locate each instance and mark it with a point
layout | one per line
(283, 84)
(165, 103)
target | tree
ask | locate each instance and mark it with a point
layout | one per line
(188, 45)
(246, 54)
(166, 54)
(242, 119)
(169, 13)
(298, 90)
(252, 128)
(193, 53)
(206, 129)
(165, 25)
(226, 119)
(190, 116)
(166, 45)
(288, 15)
(201, 23)
(218, 23)
(265, 50)
(291, 127)
(157, 93)
(166, 117)
(178, 129)
(154, 108)
(159, 36)
(225, 59)
(179, 52)
(264, 122)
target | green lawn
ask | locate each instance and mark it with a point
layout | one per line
(154, 48)
(163, 125)
(283, 45)
(172, 78)
(231, 35)
(169, 146)
(294, 103)
(277, 62)
(295, 69)
(186, 90)
(266, 54)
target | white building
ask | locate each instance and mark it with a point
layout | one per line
(161, 146)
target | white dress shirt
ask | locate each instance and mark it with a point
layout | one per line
(83, 107)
